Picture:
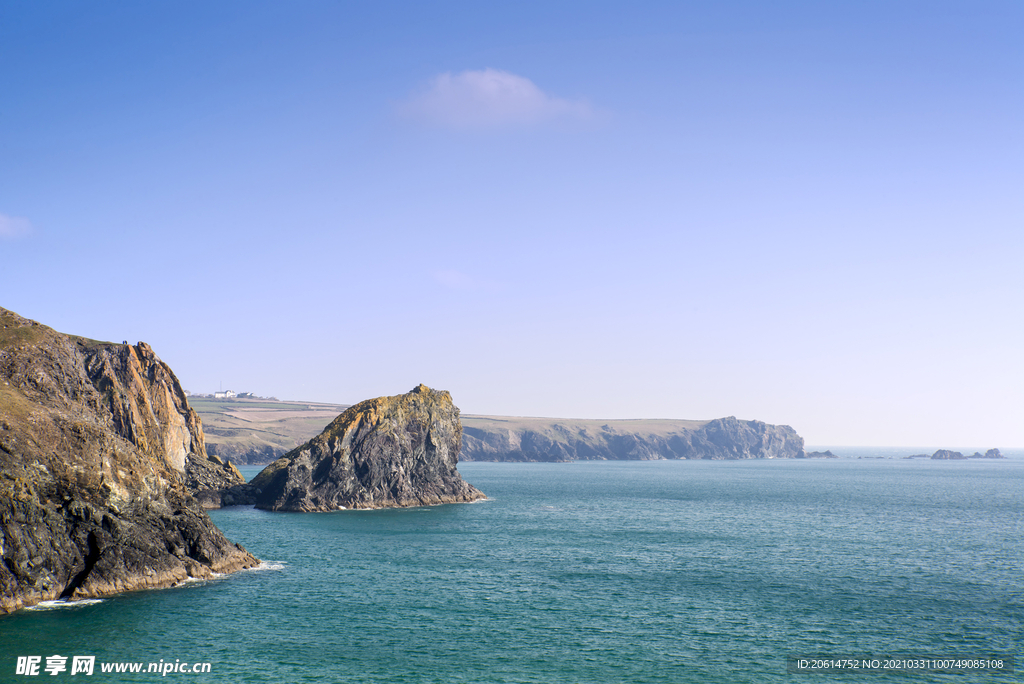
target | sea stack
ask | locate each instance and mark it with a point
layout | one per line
(97, 448)
(381, 453)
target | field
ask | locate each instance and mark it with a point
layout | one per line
(558, 428)
(257, 430)
(251, 431)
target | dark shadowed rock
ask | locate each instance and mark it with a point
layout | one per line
(385, 452)
(946, 454)
(97, 445)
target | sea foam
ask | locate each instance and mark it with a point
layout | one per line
(57, 604)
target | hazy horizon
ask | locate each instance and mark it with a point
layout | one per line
(806, 213)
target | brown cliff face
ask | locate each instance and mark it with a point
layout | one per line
(384, 452)
(97, 446)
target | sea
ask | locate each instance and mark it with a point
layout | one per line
(867, 568)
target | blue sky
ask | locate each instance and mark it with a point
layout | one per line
(808, 213)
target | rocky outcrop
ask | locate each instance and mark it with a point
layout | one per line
(538, 439)
(97, 448)
(949, 455)
(385, 452)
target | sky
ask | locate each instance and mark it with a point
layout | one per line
(806, 213)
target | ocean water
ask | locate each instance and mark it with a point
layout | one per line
(593, 572)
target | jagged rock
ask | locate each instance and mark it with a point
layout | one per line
(149, 409)
(96, 445)
(540, 439)
(991, 453)
(820, 454)
(384, 452)
(946, 454)
(729, 438)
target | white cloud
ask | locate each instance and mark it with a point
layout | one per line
(14, 226)
(490, 99)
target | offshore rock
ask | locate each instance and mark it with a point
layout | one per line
(97, 447)
(556, 440)
(380, 453)
(820, 454)
(948, 455)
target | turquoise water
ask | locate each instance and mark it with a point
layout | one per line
(667, 571)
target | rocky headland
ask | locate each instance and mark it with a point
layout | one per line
(385, 452)
(494, 438)
(100, 457)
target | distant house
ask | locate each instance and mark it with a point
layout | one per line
(226, 394)
(247, 395)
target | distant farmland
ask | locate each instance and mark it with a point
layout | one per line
(249, 431)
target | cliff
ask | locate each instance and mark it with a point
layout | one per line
(149, 409)
(98, 449)
(491, 438)
(384, 452)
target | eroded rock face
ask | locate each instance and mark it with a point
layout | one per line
(97, 446)
(148, 407)
(384, 452)
(554, 440)
(730, 438)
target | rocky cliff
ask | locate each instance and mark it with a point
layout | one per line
(149, 409)
(543, 439)
(98, 450)
(384, 452)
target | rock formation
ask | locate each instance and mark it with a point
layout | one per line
(98, 449)
(949, 455)
(149, 409)
(540, 439)
(384, 452)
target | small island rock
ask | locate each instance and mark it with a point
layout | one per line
(381, 453)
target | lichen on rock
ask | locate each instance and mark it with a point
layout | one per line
(97, 446)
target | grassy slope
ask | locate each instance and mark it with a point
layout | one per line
(547, 426)
(241, 424)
